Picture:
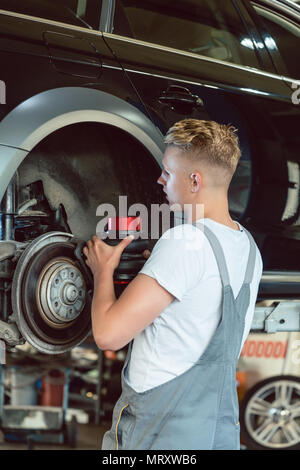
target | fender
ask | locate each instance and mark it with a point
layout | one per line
(37, 117)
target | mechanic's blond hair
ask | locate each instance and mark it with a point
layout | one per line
(208, 142)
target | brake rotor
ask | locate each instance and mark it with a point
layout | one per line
(51, 294)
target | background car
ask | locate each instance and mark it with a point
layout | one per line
(269, 391)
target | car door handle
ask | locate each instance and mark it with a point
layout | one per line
(177, 95)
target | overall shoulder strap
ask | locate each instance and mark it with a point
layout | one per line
(220, 258)
(251, 260)
(218, 252)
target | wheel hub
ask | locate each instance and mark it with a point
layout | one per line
(61, 291)
(70, 293)
(280, 415)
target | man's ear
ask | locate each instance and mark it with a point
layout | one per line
(196, 178)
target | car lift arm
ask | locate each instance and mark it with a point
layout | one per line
(280, 316)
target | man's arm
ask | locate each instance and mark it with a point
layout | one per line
(116, 322)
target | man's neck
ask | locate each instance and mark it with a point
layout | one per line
(229, 223)
(221, 216)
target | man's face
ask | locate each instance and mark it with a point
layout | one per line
(175, 177)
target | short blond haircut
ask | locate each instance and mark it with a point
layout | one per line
(207, 141)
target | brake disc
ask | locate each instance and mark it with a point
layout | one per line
(51, 294)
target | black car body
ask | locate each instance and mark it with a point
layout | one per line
(89, 89)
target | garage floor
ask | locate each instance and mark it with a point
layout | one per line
(89, 438)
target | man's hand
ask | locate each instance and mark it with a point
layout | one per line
(116, 322)
(102, 257)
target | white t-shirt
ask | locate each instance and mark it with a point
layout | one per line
(182, 261)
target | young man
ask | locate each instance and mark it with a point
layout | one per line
(190, 308)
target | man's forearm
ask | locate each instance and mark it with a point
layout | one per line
(103, 299)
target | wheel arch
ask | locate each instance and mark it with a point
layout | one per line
(42, 114)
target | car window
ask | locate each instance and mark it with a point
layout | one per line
(76, 12)
(211, 28)
(283, 34)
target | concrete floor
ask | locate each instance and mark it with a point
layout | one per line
(89, 438)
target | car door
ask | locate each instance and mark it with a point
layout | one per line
(206, 60)
(49, 44)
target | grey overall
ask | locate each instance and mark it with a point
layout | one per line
(198, 409)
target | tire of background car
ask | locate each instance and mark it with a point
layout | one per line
(270, 414)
